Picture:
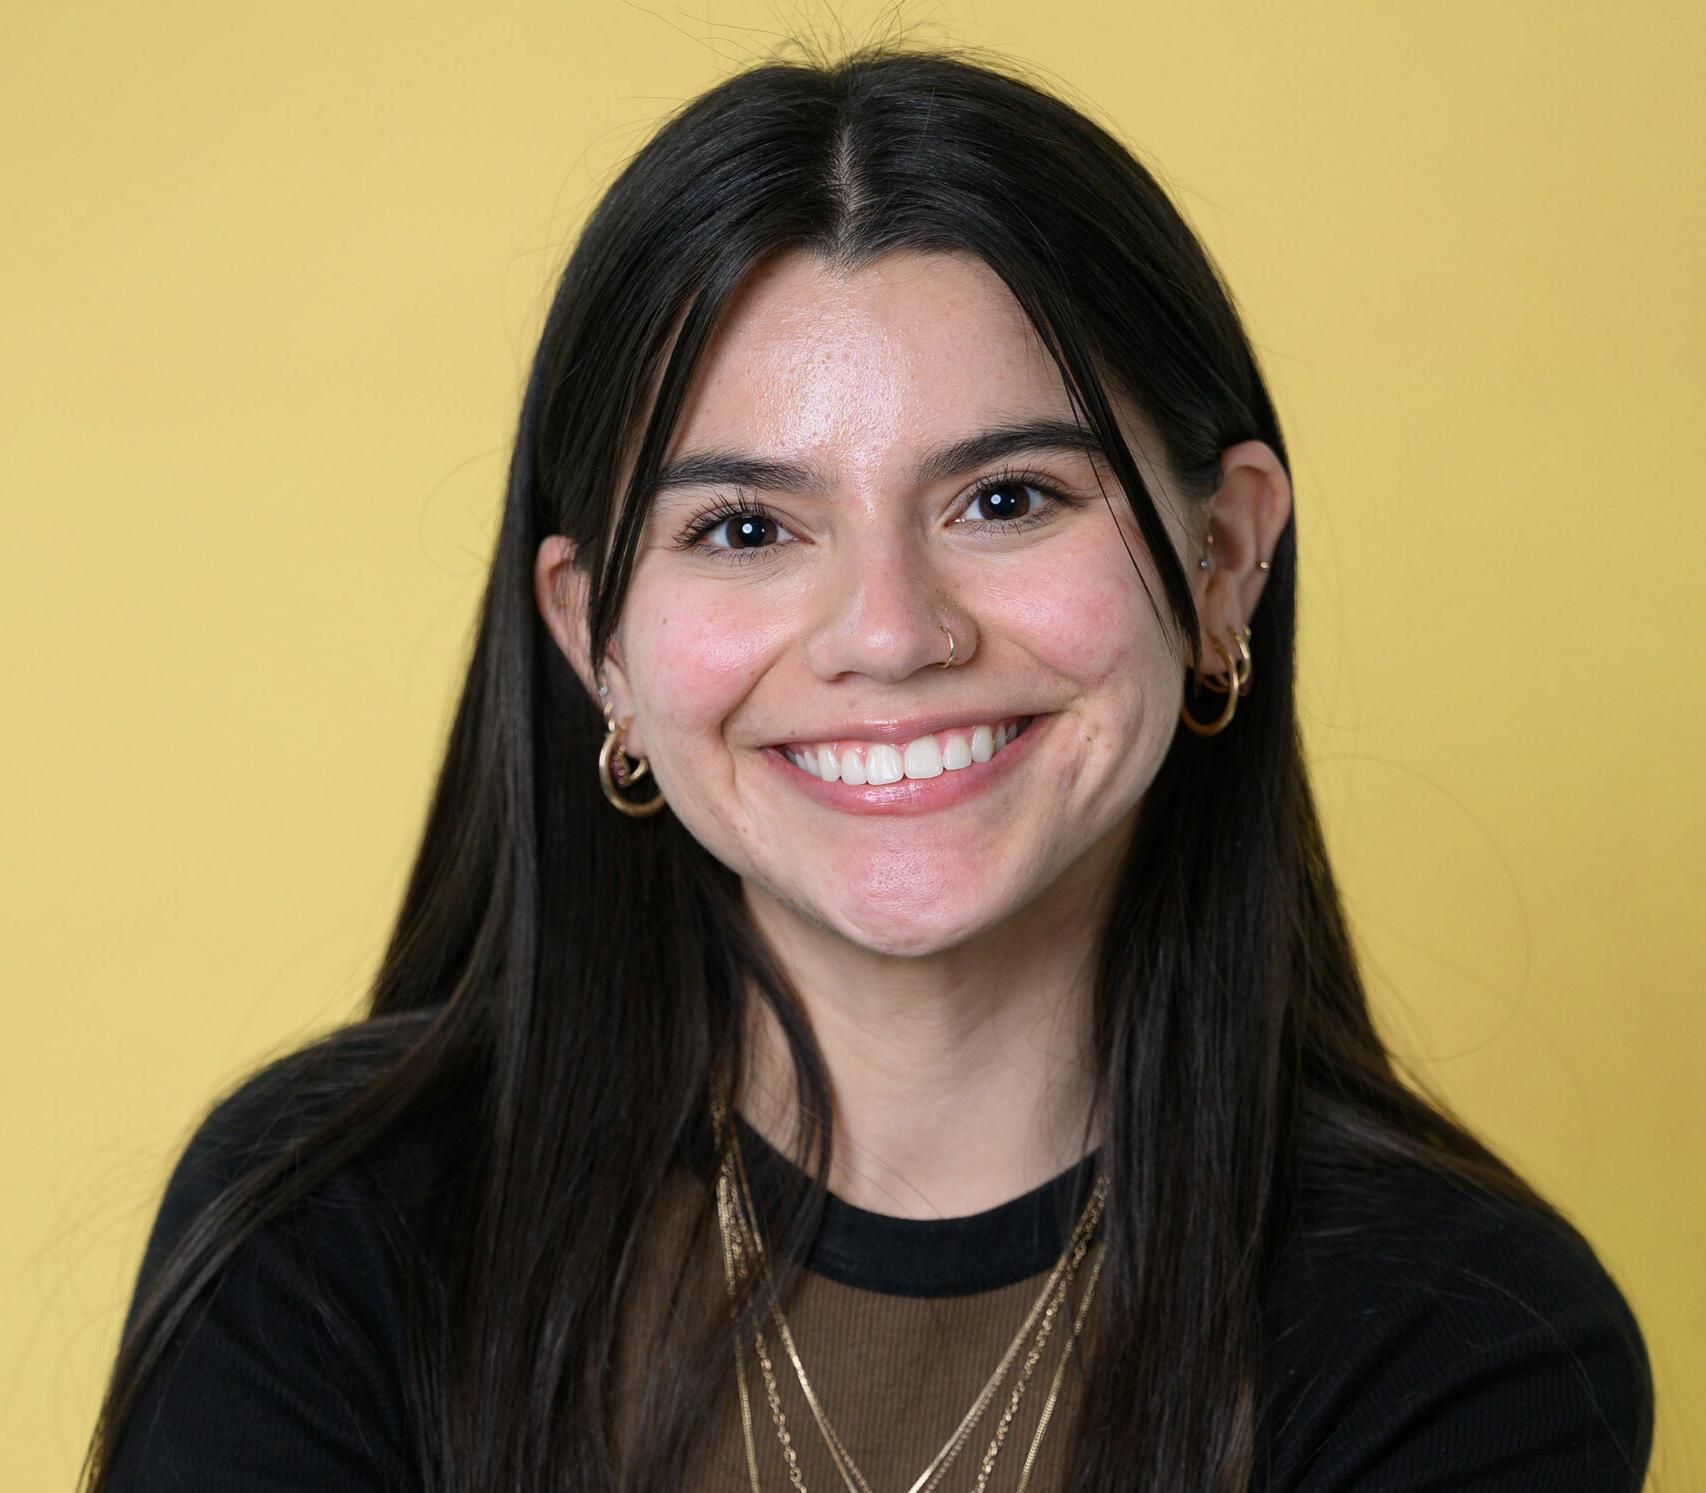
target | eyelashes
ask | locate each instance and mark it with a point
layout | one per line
(692, 535)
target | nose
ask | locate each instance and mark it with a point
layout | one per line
(881, 609)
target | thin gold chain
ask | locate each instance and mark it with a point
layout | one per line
(723, 1210)
(1060, 1369)
(838, 1451)
(939, 1466)
(1054, 1293)
(850, 1473)
(793, 1466)
(1031, 1359)
(733, 1250)
(932, 1474)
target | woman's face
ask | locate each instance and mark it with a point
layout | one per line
(798, 606)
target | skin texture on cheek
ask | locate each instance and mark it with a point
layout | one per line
(688, 674)
(692, 673)
(1084, 618)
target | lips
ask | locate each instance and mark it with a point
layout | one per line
(938, 785)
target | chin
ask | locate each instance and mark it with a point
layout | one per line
(914, 935)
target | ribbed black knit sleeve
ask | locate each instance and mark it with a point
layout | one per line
(1451, 1341)
(288, 1376)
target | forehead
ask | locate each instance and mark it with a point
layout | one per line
(880, 360)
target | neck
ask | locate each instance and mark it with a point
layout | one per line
(959, 1080)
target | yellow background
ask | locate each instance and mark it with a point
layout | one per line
(271, 279)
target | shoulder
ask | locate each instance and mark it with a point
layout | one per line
(287, 1367)
(1420, 1328)
(389, 1181)
(382, 1195)
(277, 1104)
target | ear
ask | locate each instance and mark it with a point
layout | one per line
(561, 590)
(563, 593)
(1242, 525)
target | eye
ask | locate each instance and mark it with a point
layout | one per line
(750, 529)
(1003, 500)
(1015, 500)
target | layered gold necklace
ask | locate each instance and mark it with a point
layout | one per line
(744, 1254)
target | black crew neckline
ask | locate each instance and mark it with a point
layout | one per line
(960, 1256)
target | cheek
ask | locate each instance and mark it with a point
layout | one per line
(697, 662)
(1085, 620)
(1088, 621)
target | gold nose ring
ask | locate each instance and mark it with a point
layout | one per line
(948, 662)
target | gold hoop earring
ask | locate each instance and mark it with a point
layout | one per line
(613, 770)
(1241, 676)
(1239, 679)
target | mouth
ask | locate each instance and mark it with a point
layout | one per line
(928, 773)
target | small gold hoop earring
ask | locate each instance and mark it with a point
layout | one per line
(1239, 680)
(1241, 677)
(613, 769)
(948, 662)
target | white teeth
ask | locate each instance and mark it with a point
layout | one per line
(923, 758)
(883, 764)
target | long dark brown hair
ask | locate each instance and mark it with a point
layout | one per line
(573, 979)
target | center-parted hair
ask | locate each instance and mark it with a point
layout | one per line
(571, 979)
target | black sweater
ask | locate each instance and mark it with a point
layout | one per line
(1423, 1336)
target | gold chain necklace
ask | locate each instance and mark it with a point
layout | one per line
(849, 1471)
(741, 1239)
(1054, 1295)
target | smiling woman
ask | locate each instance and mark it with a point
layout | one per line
(857, 1019)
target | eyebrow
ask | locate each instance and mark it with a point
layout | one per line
(737, 469)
